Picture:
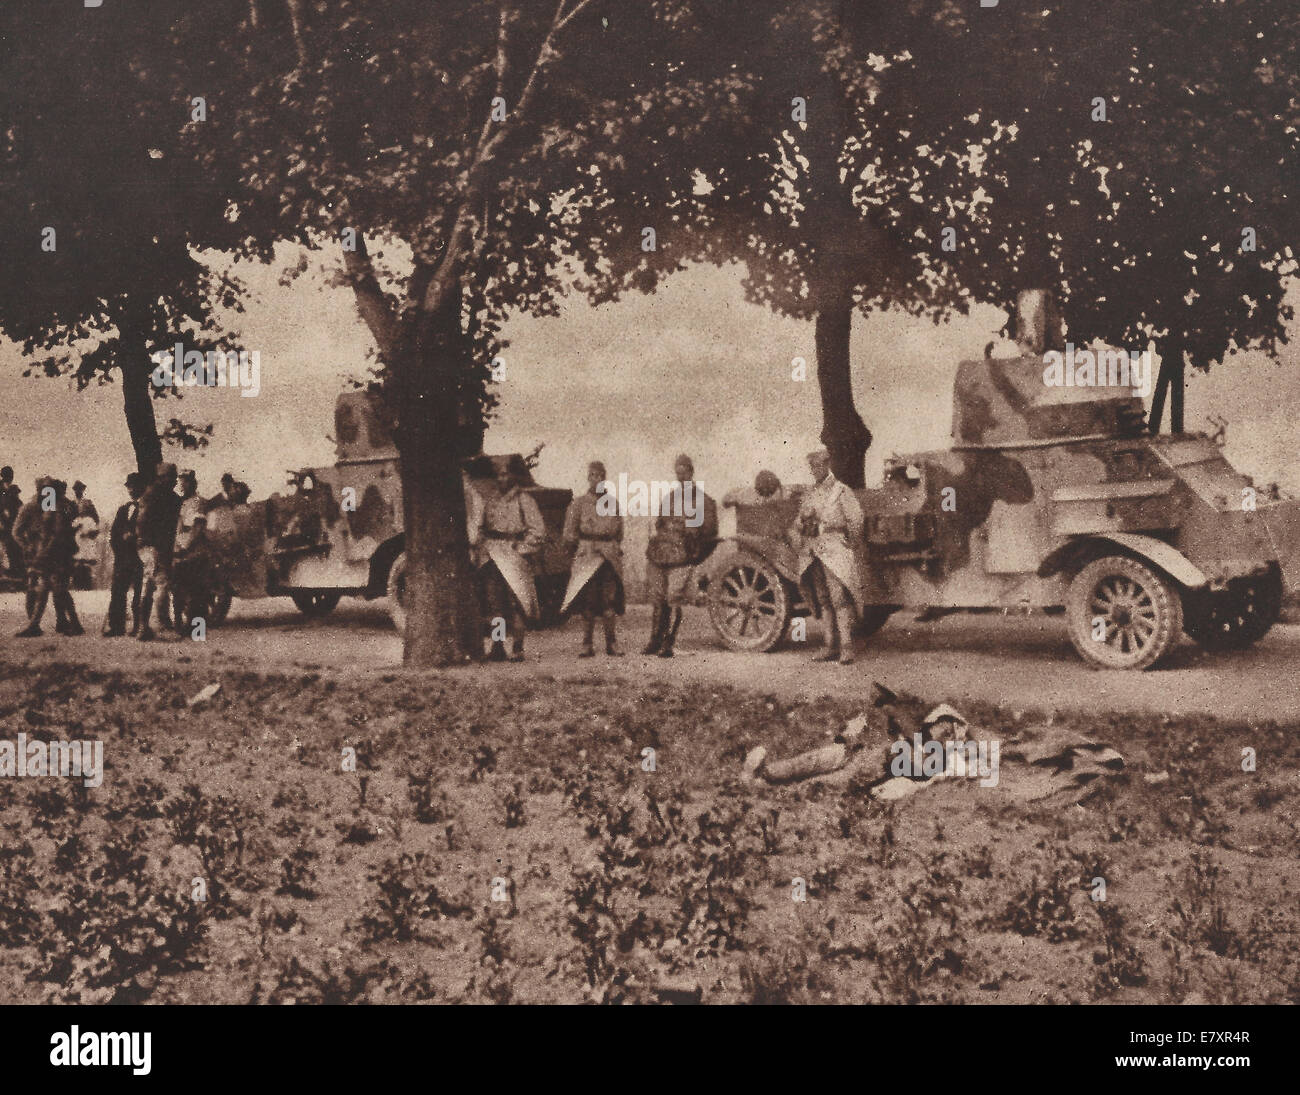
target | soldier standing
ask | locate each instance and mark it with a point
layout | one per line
(85, 507)
(193, 583)
(126, 562)
(234, 492)
(596, 578)
(86, 530)
(27, 531)
(677, 545)
(191, 561)
(156, 540)
(829, 524)
(10, 505)
(767, 488)
(504, 535)
(50, 527)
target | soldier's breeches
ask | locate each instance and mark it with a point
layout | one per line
(669, 585)
(835, 600)
(499, 602)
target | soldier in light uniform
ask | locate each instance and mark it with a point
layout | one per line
(671, 555)
(505, 533)
(192, 560)
(156, 523)
(828, 526)
(596, 578)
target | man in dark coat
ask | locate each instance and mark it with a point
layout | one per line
(126, 562)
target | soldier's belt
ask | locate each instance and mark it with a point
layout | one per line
(493, 535)
(597, 538)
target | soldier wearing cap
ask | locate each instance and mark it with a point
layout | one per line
(126, 562)
(156, 539)
(49, 531)
(506, 532)
(234, 492)
(596, 577)
(827, 528)
(678, 542)
(85, 507)
(767, 488)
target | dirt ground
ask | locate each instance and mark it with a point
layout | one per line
(512, 841)
(1014, 660)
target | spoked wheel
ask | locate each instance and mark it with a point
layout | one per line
(1234, 618)
(1122, 614)
(750, 604)
(315, 603)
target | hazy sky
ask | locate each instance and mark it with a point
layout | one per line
(694, 368)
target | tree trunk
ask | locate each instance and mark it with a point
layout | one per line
(1169, 385)
(844, 433)
(137, 402)
(434, 435)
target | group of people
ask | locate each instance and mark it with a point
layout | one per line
(507, 534)
(163, 560)
(158, 539)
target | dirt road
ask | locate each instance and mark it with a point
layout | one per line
(1017, 661)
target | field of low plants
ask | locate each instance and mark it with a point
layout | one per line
(435, 837)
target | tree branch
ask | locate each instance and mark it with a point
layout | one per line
(297, 16)
(372, 301)
(489, 143)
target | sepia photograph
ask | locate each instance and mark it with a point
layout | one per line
(650, 502)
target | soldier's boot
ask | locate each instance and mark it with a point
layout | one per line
(588, 629)
(832, 651)
(517, 628)
(34, 614)
(29, 602)
(657, 620)
(146, 607)
(72, 625)
(670, 634)
(844, 623)
(612, 649)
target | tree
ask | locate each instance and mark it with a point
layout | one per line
(1140, 161)
(930, 156)
(98, 210)
(434, 144)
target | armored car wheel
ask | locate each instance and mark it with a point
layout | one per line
(1122, 614)
(397, 593)
(1234, 618)
(750, 604)
(315, 603)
